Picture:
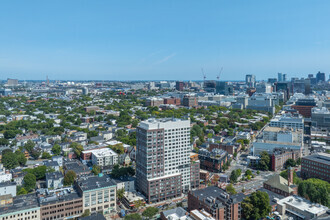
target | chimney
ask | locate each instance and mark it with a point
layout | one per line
(290, 176)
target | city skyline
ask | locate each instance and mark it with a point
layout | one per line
(162, 40)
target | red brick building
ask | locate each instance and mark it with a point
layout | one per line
(217, 202)
(280, 156)
(172, 101)
(316, 166)
(281, 186)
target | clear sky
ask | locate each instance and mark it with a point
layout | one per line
(163, 39)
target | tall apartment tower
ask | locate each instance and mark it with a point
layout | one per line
(163, 158)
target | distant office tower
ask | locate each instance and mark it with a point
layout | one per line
(163, 158)
(272, 80)
(250, 81)
(12, 82)
(284, 77)
(280, 77)
(310, 75)
(179, 85)
(320, 77)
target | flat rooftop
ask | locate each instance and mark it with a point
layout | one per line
(320, 157)
(22, 202)
(165, 123)
(303, 204)
(103, 152)
(95, 182)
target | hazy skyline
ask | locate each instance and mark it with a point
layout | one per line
(153, 40)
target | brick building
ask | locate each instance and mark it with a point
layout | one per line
(316, 166)
(189, 101)
(217, 202)
(281, 186)
(212, 160)
(172, 101)
(280, 156)
(60, 205)
(230, 148)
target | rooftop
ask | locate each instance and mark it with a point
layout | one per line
(95, 182)
(320, 157)
(95, 216)
(303, 205)
(59, 195)
(278, 182)
(22, 202)
(164, 123)
(103, 152)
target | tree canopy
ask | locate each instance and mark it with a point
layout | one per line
(256, 206)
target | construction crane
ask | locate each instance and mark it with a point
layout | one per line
(218, 77)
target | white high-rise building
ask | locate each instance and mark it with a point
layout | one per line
(163, 158)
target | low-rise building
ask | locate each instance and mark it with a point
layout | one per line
(104, 157)
(63, 203)
(217, 202)
(130, 198)
(213, 160)
(54, 180)
(127, 183)
(21, 207)
(281, 155)
(99, 194)
(76, 166)
(194, 171)
(299, 208)
(281, 186)
(8, 188)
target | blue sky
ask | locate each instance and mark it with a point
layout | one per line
(153, 40)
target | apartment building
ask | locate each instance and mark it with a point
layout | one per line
(194, 170)
(316, 166)
(99, 194)
(104, 157)
(63, 203)
(217, 202)
(281, 155)
(213, 160)
(20, 208)
(163, 158)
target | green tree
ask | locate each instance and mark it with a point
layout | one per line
(235, 174)
(150, 212)
(29, 145)
(56, 149)
(77, 148)
(264, 162)
(35, 153)
(46, 155)
(290, 163)
(298, 162)
(20, 158)
(248, 173)
(120, 193)
(138, 204)
(96, 170)
(86, 213)
(69, 178)
(256, 206)
(134, 216)
(230, 189)
(118, 148)
(4, 142)
(22, 191)
(315, 190)
(9, 160)
(29, 182)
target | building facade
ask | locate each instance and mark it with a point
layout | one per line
(316, 166)
(162, 159)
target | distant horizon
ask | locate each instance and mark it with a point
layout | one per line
(153, 40)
